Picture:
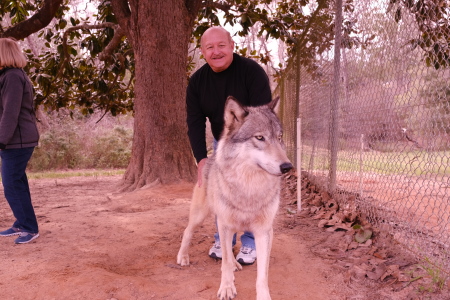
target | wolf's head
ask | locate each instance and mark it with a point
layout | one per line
(252, 137)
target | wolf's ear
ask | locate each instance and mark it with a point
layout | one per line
(275, 105)
(234, 111)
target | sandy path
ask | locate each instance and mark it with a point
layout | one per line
(99, 245)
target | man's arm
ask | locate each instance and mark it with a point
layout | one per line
(196, 122)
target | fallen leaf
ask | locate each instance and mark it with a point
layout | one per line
(368, 243)
(380, 254)
(391, 270)
(357, 273)
(353, 245)
(291, 211)
(317, 201)
(328, 215)
(362, 234)
(319, 215)
(377, 272)
(322, 223)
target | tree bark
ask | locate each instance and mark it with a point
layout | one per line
(159, 32)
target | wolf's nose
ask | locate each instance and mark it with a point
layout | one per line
(285, 167)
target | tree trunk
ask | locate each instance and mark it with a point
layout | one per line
(159, 32)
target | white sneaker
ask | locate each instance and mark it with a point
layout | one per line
(246, 256)
(215, 251)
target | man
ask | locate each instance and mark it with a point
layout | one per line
(225, 74)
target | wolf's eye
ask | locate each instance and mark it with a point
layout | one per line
(260, 138)
(280, 137)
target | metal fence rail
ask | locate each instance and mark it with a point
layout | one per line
(391, 137)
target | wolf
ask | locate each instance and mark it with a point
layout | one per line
(241, 187)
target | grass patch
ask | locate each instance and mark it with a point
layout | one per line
(413, 163)
(74, 173)
(435, 277)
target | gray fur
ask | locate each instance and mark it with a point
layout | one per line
(241, 186)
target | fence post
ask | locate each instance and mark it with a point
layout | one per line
(361, 173)
(334, 130)
(299, 166)
(297, 92)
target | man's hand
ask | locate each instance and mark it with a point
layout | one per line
(200, 166)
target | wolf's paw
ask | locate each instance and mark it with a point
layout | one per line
(226, 292)
(183, 259)
(237, 266)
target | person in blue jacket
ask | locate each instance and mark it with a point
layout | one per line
(18, 138)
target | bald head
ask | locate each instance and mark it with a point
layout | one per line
(216, 31)
(217, 48)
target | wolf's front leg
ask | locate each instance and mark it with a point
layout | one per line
(227, 288)
(263, 241)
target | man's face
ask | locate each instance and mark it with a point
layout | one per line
(217, 48)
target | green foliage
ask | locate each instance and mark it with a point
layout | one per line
(436, 274)
(73, 70)
(436, 93)
(72, 76)
(59, 148)
(18, 10)
(113, 150)
(306, 34)
(432, 18)
(68, 71)
(75, 144)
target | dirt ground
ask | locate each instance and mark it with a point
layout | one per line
(96, 244)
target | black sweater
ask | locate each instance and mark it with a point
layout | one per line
(207, 92)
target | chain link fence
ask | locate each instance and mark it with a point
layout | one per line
(375, 120)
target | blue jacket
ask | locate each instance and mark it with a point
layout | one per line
(17, 118)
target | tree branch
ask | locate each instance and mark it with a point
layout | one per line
(192, 7)
(122, 12)
(38, 21)
(301, 41)
(118, 34)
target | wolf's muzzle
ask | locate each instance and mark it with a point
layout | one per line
(285, 167)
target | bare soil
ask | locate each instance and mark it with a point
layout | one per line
(96, 244)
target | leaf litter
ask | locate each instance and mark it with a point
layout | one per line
(367, 256)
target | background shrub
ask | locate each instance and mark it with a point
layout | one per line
(74, 141)
(112, 149)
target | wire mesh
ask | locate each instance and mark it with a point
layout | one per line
(393, 135)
